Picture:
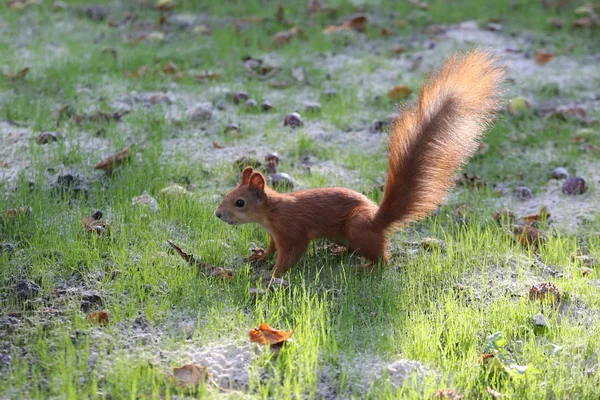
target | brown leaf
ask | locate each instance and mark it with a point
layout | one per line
(483, 359)
(216, 145)
(399, 50)
(190, 375)
(542, 215)
(335, 29)
(264, 334)
(399, 92)
(17, 75)
(527, 235)
(170, 68)
(112, 162)
(386, 32)
(208, 268)
(141, 71)
(99, 317)
(3, 164)
(133, 40)
(280, 15)
(207, 76)
(281, 38)
(447, 394)
(545, 292)
(15, 213)
(592, 148)
(543, 57)
(358, 22)
(468, 180)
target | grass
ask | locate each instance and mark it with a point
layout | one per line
(443, 308)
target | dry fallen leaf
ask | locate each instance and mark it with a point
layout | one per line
(17, 75)
(264, 334)
(205, 267)
(281, 38)
(170, 68)
(543, 57)
(14, 213)
(545, 292)
(216, 145)
(358, 22)
(399, 92)
(527, 235)
(542, 215)
(141, 71)
(447, 394)
(207, 76)
(99, 317)
(114, 161)
(190, 375)
(94, 223)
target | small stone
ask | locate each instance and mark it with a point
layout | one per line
(294, 120)
(494, 27)
(281, 179)
(429, 44)
(586, 260)
(47, 137)
(200, 112)
(174, 191)
(146, 200)
(298, 74)
(221, 105)
(6, 248)
(540, 320)
(26, 289)
(377, 126)
(522, 193)
(156, 36)
(232, 127)
(560, 173)
(250, 103)
(272, 156)
(58, 6)
(266, 105)
(238, 97)
(519, 105)
(574, 185)
(429, 244)
(312, 106)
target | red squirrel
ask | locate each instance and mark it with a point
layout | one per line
(428, 143)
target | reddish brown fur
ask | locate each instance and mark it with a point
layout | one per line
(427, 145)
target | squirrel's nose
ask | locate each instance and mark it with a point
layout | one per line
(218, 214)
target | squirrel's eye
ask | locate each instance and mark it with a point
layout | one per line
(239, 203)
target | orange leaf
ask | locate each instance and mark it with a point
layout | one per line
(264, 334)
(543, 214)
(112, 162)
(217, 145)
(99, 317)
(190, 375)
(399, 92)
(543, 57)
(386, 32)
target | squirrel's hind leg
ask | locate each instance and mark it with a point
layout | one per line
(366, 242)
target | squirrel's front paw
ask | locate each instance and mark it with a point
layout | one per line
(258, 255)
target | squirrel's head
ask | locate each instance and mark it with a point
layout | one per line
(247, 202)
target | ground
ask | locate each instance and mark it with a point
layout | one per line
(457, 308)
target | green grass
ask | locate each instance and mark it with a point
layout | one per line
(443, 308)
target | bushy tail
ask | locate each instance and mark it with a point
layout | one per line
(432, 140)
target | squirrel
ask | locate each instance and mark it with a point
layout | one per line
(428, 143)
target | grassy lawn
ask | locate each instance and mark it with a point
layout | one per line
(102, 76)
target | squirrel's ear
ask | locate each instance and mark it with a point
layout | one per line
(246, 174)
(256, 184)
